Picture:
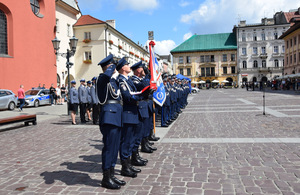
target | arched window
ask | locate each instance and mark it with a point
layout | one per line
(3, 33)
(255, 64)
(276, 63)
(244, 64)
(35, 6)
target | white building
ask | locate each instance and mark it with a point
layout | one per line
(67, 13)
(260, 52)
(98, 39)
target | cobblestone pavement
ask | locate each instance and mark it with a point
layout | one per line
(220, 144)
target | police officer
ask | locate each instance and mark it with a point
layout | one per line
(110, 122)
(95, 102)
(83, 100)
(89, 98)
(166, 106)
(129, 118)
(74, 101)
(140, 83)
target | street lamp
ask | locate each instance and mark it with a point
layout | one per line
(70, 52)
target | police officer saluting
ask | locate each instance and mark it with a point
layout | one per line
(110, 122)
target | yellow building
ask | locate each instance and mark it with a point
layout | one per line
(292, 51)
(208, 58)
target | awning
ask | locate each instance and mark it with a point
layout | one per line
(215, 81)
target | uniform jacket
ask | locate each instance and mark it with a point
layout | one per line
(109, 113)
(94, 96)
(74, 96)
(82, 94)
(89, 97)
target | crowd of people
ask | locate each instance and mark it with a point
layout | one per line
(275, 84)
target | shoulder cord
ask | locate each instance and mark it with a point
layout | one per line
(112, 93)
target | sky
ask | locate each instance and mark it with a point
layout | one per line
(174, 21)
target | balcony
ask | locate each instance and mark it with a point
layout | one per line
(263, 55)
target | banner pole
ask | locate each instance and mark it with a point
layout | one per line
(153, 119)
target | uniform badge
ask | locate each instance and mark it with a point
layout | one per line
(123, 87)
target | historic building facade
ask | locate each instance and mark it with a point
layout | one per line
(207, 58)
(98, 39)
(26, 51)
(67, 14)
(260, 51)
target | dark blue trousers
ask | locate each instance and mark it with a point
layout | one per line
(111, 140)
(139, 134)
(127, 140)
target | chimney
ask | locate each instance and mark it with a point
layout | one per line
(242, 23)
(112, 23)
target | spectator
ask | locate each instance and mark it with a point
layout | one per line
(21, 97)
(43, 86)
(63, 93)
(52, 94)
(58, 95)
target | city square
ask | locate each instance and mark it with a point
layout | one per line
(221, 143)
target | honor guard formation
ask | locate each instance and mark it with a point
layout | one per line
(124, 109)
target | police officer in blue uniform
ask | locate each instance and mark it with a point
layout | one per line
(140, 84)
(166, 106)
(74, 101)
(95, 102)
(130, 118)
(83, 100)
(110, 122)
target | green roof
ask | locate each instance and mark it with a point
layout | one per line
(210, 42)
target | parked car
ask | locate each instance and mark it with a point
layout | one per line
(8, 100)
(195, 90)
(37, 97)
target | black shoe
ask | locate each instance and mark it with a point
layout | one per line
(126, 171)
(140, 158)
(165, 125)
(107, 182)
(136, 161)
(74, 123)
(136, 170)
(153, 138)
(116, 180)
(144, 147)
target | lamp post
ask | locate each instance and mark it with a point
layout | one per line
(70, 52)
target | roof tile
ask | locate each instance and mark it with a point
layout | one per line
(87, 20)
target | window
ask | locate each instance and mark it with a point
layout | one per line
(254, 37)
(244, 51)
(295, 58)
(263, 36)
(283, 49)
(275, 35)
(207, 59)
(188, 72)
(188, 59)
(276, 64)
(232, 69)
(255, 50)
(35, 6)
(263, 50)
(263, 64)
(207, 71)
(232, 58)
(224, 58)
(291, 43)
(243, 37)
(287, 44)
(295, 41)
(87, 55)
(87, 35)
(291, 59)
(57, 25)
(212, 58)
(68, 30)
(181, 71)
(224, 70)
(275, 49)
(3, 33)
(212, 71)
(203, 72)
(180, 59)
(202, 59)
(255, 64)
(244, 64)
(287, 60)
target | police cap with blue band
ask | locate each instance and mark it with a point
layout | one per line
(94, 78)
(137, 65)
(121, 63)
(73, 82)
(108, 60)
(82, 80)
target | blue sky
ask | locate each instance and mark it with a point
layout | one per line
(173, 21)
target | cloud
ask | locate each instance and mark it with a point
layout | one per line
(138, 5)
(184, 3)
(187, 36)
(163, 47)
(215, 16)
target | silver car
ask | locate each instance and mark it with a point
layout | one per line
(36, 97)
(8, 100)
